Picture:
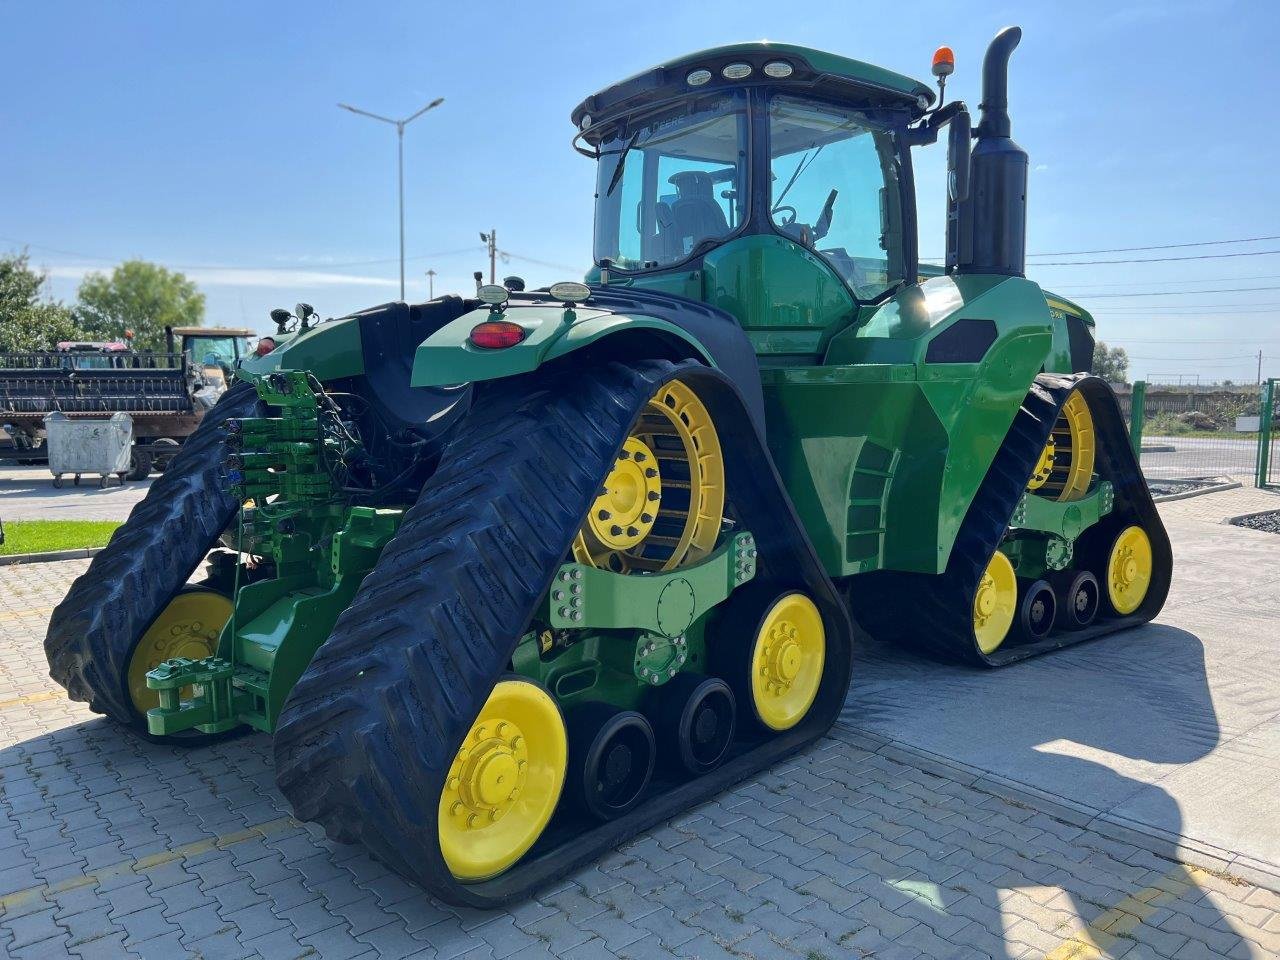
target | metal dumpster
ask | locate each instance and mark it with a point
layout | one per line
(80, 447)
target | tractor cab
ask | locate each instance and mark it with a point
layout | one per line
(757, 174)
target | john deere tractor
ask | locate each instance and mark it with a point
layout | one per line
(510, 577)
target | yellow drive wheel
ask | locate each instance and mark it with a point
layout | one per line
(1129, 568)
(787, 659)
(662, 502)
(188, 627)
(1065, 468)
(995, 603)
(505, 782)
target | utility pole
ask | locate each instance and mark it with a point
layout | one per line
(1259, 368)
(491, 238)
(399, 125)
(431, 284)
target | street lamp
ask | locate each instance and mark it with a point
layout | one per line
(431, 284)
(399, 125)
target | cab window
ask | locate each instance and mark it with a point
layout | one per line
(672, 183)
(835, 191)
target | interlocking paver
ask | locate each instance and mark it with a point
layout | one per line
(111, 846)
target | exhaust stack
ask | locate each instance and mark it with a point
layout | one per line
(992, 222)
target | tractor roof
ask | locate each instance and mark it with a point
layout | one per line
(832, 75)
(213, 331)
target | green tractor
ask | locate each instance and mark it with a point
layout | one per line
(509, 578)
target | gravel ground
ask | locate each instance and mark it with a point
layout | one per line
(1268, 522)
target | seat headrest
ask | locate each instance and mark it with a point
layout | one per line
(692, 185)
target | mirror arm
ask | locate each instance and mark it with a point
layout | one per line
(926, 131)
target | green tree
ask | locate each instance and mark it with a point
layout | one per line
(1110, 363)
(28, 322)
(142, 297)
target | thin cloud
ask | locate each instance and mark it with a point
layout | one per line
(242, 277)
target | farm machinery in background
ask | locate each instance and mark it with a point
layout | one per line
(510, 578)
(164, 394)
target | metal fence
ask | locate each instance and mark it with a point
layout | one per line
(1197, 434)
(1268, 472)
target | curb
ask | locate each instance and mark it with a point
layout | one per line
(49, 556)
(1151, 839)
(1235, 521)
(1187, 494)
(1159, 448)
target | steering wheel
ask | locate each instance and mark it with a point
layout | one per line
(789, 214)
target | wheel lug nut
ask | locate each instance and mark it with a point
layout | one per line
(646, 518)
(616, 530)
(624, 455)
(640, 457)
(633, 532)
(650, 472)
(654, 495)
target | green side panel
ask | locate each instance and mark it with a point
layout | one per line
(448, 356)
(329, 350)
(883, 451)
(787, 299)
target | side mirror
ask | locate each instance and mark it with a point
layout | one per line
(959, 133)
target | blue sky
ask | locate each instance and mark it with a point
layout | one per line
(206, 136)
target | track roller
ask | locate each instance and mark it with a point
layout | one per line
(1037, 610)
(505, 781)
(1078, 600)
(187, 627)
(994, 603)
(1129, 570)
(611, 758)
(694, 718)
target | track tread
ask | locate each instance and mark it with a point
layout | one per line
(93, 630)
(932, 613)
(367, 734)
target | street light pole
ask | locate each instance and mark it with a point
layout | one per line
(399, 125)
(431, 284)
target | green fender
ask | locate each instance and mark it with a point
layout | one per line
(551, 331)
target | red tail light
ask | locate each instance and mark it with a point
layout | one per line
(496, 334)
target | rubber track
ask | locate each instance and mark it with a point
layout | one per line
(934, 613)
(93, 631)
(366, 737)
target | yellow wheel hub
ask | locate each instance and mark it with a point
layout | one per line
(1065, 469)
(995, 603)
(504, 783)
(1044, 469)
(628, 505)
(787, 661)
(1129, 570)
(662, 503)
(188, 627)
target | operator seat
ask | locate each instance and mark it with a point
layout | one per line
(695, 215)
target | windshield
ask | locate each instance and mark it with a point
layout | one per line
(835, 191)
(216, 351)
(672, 181)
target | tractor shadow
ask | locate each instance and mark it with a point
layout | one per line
(1096, 725)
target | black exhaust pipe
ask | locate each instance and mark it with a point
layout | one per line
(993, 220)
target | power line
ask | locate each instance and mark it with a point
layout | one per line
(1163, 246)
(1130, 283)
(1172, 293)
(1201, 256)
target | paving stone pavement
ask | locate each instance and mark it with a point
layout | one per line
(113, 847)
